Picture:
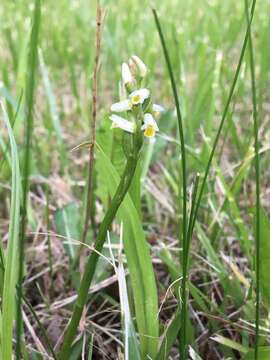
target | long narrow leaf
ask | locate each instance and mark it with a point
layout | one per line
(258, 185)
(183, 189)
(139, 263)
(29, 105)
(11, 266)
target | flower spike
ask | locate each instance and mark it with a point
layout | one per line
(138, 104)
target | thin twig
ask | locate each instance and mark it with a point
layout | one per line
(89, 214)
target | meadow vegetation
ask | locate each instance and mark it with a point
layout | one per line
(174, 262)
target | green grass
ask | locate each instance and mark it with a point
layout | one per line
(10, 266)
(258, 188)
(195, 222)
(29, 127)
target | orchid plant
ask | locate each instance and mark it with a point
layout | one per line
(138, 105)
(138, 122)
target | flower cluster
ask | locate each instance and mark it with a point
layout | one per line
(139, 108)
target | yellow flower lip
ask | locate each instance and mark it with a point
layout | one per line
(135, 99)
(149, 131)
(139, 96)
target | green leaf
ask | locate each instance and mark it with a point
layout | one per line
(138, 259)
(11, 266)
(132, 351)
(230, 343)
(265, 255)
(264, 354)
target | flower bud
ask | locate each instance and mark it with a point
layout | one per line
(126, 74)
(136, 63)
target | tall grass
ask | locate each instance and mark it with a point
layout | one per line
(258, 185)
(182, 193)
(26, 170)
(194, 213)
(12, 254)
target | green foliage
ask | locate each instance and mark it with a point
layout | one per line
(265, 255)
(264, 354)
(139, 263)
(204, 40)
(12, 254)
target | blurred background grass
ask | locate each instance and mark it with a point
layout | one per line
(198, 33)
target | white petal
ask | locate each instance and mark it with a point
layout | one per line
(158, 108)
(149, 120)
(122, 123)
(126, 74)
(143, 94)
(140, 65)
(124, 105)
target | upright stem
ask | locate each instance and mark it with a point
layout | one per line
(90, 187)
(258, 186)
(93, 258)
(29, 99)
(185, 247)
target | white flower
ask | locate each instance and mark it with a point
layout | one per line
(135, 98)
(157, 109)
(121, 106)
(139, 64)
(126, 74)
(150, 126)
(138, 96)
(122, 123)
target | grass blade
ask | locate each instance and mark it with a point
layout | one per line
(29, 99)
(11, 267)
(264, 255)
(263, 352)
(184, 186)
(130, 340)
(224, 116)
(258, 187)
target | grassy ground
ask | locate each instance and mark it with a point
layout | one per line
(204, 40)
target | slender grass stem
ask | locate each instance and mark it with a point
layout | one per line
(9, 266)
(90, 187)
(193, 204)
(224, 115)
(258, 186)
(93, 258)
(184, 187)
(29, 95)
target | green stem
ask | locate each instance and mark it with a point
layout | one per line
(183, 337)
(258, 186)
(29, 99)
(93, 258)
